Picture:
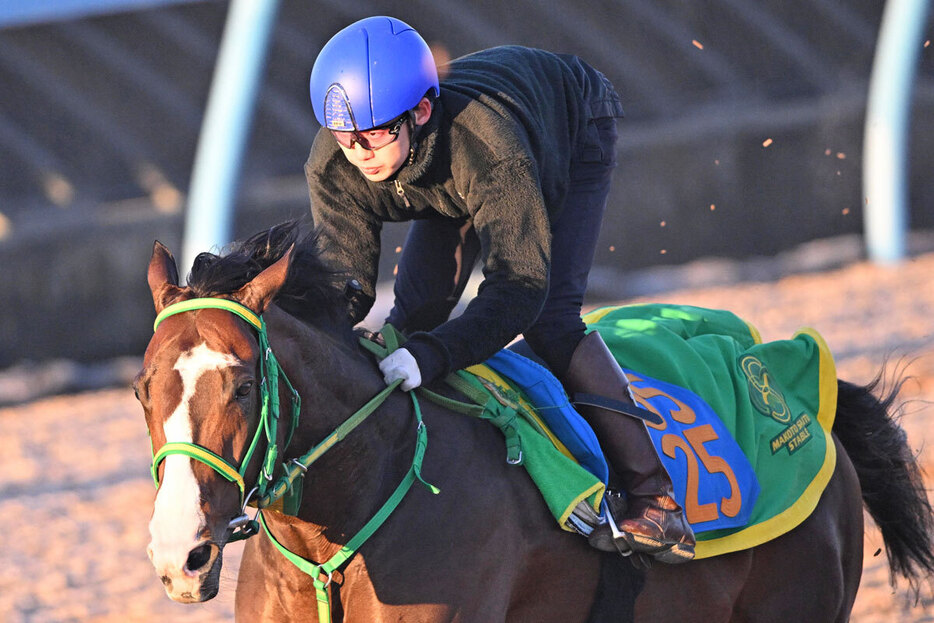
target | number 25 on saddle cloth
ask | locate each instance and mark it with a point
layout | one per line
(689, 429)
(746, 432)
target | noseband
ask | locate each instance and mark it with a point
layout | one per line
(269, 415)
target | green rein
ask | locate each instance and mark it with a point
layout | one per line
(295, 469)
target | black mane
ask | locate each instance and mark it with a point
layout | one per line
(312, 292)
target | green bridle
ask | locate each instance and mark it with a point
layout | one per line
(270, 373)
(294, 470)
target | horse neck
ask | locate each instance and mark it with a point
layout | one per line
(345, 487)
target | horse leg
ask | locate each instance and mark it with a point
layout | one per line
(619, 586)
(811, 573)
(700, 590)
(557, 582)
(851, 530)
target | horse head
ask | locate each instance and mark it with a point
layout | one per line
(200, 389)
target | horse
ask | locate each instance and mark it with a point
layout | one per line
(484, 548)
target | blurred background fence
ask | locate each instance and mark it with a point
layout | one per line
(743, 140)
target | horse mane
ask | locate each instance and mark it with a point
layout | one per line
(312, 292)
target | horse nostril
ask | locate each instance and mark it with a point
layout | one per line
(166, 580)
(198, 557)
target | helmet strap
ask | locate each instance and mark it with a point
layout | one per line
(413, 139)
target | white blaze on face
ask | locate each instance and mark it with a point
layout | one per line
(177, 517)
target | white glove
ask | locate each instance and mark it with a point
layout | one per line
(401, 365)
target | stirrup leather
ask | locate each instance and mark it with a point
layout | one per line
(618, 406)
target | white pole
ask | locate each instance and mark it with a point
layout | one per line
(885, 145)
(226, 127)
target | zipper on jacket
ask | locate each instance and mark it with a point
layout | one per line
(401, 192)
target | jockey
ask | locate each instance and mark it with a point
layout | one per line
(507, 162)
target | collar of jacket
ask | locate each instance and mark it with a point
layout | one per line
(429, 141)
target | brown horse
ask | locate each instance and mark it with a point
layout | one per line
(485, 548)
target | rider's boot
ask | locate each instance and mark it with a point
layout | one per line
(653, 523)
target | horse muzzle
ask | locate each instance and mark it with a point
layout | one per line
(196, 578)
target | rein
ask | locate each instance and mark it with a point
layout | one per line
(295, 469)
(316, 571)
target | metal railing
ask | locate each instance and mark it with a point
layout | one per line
(885, 144)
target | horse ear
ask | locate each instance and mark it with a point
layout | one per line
(162, 276)
(258, 294)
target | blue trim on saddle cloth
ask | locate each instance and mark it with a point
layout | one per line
(546, 394)
(713, 492)
(716, 496)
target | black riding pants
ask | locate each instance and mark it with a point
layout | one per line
(439, 255)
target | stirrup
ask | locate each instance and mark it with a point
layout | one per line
(607, 530)
(619, 538)
(628, 543)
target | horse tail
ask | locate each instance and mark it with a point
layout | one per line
(889, 474)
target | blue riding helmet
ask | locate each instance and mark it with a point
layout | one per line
(370, 73)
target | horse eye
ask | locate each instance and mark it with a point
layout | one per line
(244, 390)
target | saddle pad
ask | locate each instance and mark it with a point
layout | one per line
(550, 401)
(564, 482)
(731, 478)
(777, 399)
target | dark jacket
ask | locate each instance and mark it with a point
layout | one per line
(497, 150)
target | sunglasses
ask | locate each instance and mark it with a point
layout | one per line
(373, 139)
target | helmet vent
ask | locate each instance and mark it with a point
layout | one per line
(338, 114)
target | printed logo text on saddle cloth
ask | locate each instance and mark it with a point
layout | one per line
(775, 400)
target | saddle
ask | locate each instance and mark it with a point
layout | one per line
(743, 426)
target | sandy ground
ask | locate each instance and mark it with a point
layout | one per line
(75, 494)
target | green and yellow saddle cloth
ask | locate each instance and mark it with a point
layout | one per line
(746, 425)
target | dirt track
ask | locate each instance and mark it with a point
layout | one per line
(75, 494)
